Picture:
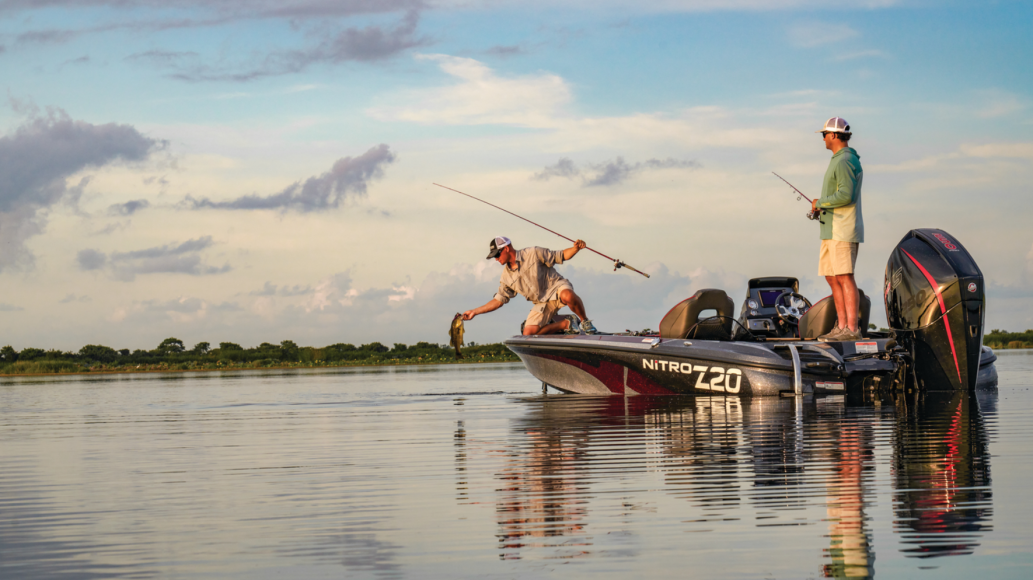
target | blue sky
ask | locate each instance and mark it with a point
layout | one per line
(258, 171)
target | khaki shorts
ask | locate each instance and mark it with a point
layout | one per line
(543, 313)
(837, 258)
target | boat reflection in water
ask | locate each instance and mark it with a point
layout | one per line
(580, 476)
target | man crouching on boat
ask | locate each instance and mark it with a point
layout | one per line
(530, 272)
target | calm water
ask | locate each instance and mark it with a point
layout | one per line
(443, 472)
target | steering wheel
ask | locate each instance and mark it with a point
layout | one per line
(791, 307)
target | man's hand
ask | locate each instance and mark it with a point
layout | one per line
(814, 205)
(571, 251)
(469, 314)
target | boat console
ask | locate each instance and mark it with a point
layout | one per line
(768, 310)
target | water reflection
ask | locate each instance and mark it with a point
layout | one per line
(778, 463)
(850, 545)
(941, 470)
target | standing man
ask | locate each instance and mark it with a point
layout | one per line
(530, 272)
(842, 228)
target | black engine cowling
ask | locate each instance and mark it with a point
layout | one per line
(935, 304)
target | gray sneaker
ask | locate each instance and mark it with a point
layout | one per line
(849, 335)
(832, 336)
(587, 327)
(573, 327)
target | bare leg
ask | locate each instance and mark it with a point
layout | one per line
(573, 301)
(850, 300)
(837, 298)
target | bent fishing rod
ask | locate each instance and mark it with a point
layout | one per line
(616, 263)
(811, 215)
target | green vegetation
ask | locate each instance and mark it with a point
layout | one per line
(172, 355)
(1004, 339)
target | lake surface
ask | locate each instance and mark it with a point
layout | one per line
(468, 471)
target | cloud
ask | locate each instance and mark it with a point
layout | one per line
(563, 168)
(349, 176)
(815, 34)
(37, 158)
(510, 50)
(163, 57)
(962, 157)
(241, 9)
(77, 61)
(610, 172)
(74, 298)
(997, 103)
(336, 310)
(129, 207)
(91, 260)
(845, 56)
(45, 37)
(184, 310)
(480, 97)
(4, 307)
(181, 258)
(270, 289)
(367, 44)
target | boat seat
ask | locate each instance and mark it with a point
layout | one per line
(821, 318)
(683, 321)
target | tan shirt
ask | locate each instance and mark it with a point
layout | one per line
(534, 278)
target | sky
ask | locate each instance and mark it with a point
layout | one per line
(260, 171)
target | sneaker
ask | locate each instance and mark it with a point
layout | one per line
(573, 327)
(587, 327)
(832, 336)
(848, 334)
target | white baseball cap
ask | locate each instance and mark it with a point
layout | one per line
(836, 125)
(496, 246)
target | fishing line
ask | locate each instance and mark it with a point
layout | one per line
(616, 263)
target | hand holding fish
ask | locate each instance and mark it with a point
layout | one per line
(455, 334)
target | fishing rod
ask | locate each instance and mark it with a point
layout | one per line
(616, 263)
(813, 214)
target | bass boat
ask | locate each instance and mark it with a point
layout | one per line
(935, 307)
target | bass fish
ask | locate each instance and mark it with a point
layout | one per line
(455, 334)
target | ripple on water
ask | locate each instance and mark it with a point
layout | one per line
(463, 472)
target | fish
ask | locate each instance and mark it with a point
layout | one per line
(455, 334)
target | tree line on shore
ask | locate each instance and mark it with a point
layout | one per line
(172, 354)
(997, 338)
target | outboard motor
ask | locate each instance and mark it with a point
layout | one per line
(935, 305)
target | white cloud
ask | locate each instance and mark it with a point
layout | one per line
(959, 158)
(480, 96)
(339, 312)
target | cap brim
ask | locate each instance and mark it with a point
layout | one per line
(494, 254)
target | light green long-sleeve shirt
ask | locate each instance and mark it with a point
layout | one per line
(840, 199)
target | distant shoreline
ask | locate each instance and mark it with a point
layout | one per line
(470, 361)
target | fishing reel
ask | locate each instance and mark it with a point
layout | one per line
(617, 264)
(813, 214)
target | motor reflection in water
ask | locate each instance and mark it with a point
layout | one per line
(941, 470)
(808, 464)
